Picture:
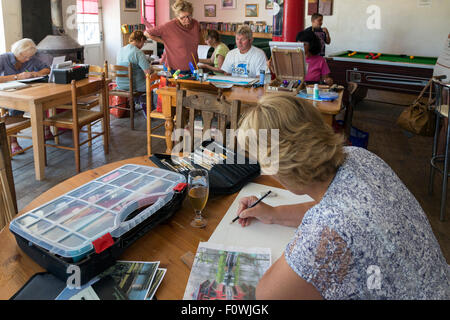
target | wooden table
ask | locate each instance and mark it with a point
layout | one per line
(248, 97)
(35, 100)
(165, 243)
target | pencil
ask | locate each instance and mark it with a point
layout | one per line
(194, 60)
(254, 204)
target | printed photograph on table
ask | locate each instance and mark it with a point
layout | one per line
(228, 4)
(210, 10)
(226, 273)
(155, 283)
(131, 5)
(251, 10)
(269, 4)
(133, 278)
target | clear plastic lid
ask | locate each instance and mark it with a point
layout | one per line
(68, 225)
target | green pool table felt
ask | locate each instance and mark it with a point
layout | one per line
(392, 58)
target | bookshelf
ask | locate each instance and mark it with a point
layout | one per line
(255, 34)
(260, 29)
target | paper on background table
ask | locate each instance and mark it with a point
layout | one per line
(202, 51)
(258, 234)
(235, 80)
(31, 79)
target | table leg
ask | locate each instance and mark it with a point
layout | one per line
(167, 111)
(37, 130)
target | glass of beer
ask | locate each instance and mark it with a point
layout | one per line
(198, 182)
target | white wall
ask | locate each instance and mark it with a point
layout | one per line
(12, 22)
(406, 28)
(232, 15)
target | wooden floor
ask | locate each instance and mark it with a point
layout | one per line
(408, 156)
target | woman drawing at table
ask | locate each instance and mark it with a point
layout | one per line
(19, 64)
(181, 37)
(364, 236)
(219, 54)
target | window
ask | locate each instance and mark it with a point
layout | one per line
(148, 11)
(88, 22)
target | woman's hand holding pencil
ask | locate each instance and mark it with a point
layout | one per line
(253, 208)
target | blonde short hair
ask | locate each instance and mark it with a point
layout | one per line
(137, 35)
(245, 31)
(309, 150)
(24, 46)
(182, 6)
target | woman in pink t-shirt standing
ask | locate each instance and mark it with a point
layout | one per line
(181, 37)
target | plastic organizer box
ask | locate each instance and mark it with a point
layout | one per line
(68, 225)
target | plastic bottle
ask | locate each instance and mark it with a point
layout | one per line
(268, 77)
(316, 92)
(262, 76)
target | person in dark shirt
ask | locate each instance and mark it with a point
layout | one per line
(321, 33)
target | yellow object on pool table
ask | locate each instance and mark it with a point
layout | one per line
(352, 54)
(411, 57)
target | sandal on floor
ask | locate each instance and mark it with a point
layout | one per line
(16, 149)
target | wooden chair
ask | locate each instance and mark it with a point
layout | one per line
(356, 94)
(150, 85)
(8, 204)
(78, 117)
(116, 71)
(13, 125)
(87, 102)
(208, 106)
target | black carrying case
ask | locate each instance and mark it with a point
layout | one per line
(65, 76)
(95, 263)
(224, 178)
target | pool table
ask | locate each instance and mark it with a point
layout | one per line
(390, 72)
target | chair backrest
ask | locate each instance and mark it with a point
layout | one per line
(209, 106)
(97, 71)
(150, 84)
(90, 89)
(8, 203)
(116, 71)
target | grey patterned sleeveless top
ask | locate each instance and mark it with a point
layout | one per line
(369, 238)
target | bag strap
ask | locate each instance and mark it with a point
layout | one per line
(423, 91)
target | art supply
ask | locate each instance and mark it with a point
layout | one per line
(200, 74)
(191, 66)
(223, 148)
(316, 92)
(254, 204)
(196, 66)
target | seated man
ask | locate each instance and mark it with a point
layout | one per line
(246, 60)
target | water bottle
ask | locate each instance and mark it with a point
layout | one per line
(262, 74)
(268, 77)
(316, 92)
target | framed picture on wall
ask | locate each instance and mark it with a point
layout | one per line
(228, 4)
(210, 10)
(251, 10)
(269, 4)
(131, 5)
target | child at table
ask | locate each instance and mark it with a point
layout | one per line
(321, 33)
(318, 71)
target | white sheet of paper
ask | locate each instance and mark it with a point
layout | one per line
(58, 60)
(234, 80)
(12, 85)
(258, 234)
(202, 51)
(30, 79)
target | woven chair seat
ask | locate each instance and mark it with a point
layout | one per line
(15, 123)
(66, 117)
